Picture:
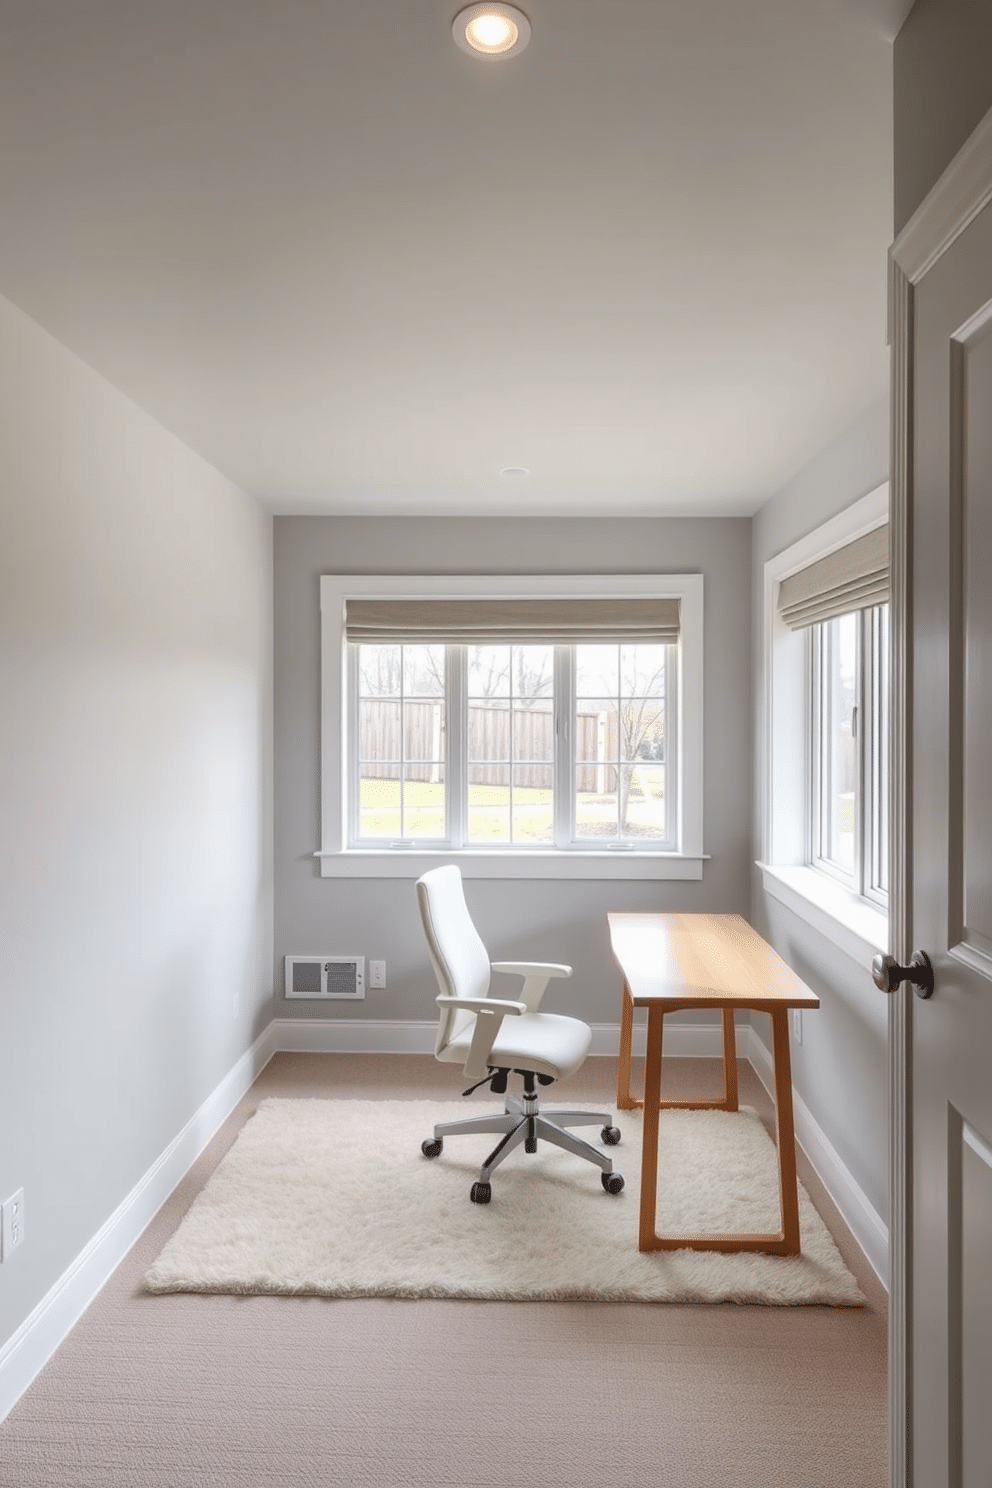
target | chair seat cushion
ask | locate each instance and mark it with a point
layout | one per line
(546, 1043)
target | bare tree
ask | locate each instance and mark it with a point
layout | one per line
(634, 692)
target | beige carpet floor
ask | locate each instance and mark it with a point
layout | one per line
(288, 1392)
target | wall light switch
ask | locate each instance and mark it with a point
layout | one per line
(797, 1025)
(377, 973)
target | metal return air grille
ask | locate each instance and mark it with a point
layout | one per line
(320, 977)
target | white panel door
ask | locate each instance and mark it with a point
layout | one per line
(949, 887)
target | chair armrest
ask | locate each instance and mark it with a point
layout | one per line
(482, 1004)
(489, 1014)
(536, 975)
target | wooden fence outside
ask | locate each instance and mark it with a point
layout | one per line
(488, 744)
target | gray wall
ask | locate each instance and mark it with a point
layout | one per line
(135, 795)
(561, 921)
(942, 89)
(840, 1069)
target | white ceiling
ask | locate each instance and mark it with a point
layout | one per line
(360, 271)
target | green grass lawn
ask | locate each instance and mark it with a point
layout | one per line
(489, 814)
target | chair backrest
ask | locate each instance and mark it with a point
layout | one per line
(460, 960)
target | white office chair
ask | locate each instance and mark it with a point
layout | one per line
(491, 1037)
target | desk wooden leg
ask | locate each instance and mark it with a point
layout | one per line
(647, 1238)
(625, 1101)
(729, 1061)
(786, 1133)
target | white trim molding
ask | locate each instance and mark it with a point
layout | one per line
(366, 1036)
(604, 866)
(964, 190)
(858, 1213)
(851, 923)
(29, 1349)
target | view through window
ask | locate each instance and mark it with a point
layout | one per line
(525, 746)
(850, 749)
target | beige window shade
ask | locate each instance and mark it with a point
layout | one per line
(559, 622)
(853, 578)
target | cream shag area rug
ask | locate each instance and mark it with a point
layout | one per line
(333, 1198)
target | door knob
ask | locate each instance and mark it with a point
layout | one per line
(886, 973)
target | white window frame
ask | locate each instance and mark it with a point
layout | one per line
(337, 859)
(860, 880)
(850, 920)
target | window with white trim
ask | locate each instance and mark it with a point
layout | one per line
(825, 845)
(840, 602)
(507, 719)
(849, 767)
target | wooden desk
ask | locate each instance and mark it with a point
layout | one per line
(675, 961)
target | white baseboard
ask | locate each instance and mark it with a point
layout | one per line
(364, 1036)
(28, 1350)
(861, 1218)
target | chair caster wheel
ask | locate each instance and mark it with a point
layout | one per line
(610, 1135)
(612, 1182)
(481, 1193)
(432, 1147)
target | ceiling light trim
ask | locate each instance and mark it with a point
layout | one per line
(513, 42)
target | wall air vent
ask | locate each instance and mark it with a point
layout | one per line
(320, 977)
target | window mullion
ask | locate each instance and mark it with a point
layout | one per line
(456, 795)
(673, 784)
(817, 644)
(352, 766)
(564, 736)
(862, 840)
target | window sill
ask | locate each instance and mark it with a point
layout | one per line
(412, 862)
(850, 922)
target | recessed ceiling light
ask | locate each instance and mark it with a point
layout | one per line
(491, 30)
(513, 470)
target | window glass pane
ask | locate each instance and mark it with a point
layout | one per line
(401, 805)
(531, 818)
(592, 724)
(597, 671)
(642, 671)
(880, 750)
(379, 804)
(401, 742)
(379, 671)
(489, 671)
(532, 676)
(380, 729)
(643, 810)
(837, 744)
(488, 814)
(621, 774)
(423, 730)
(423, 802)
(423, 671)
(596, 802)
(511, 744)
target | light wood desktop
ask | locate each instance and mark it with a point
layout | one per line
(671, 962)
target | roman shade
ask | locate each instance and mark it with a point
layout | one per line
(490, 622)
(851, 578)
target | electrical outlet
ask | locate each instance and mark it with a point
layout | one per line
(12, 1222)
(377, 973)
(797, 1025)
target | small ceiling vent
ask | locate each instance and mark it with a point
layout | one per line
(320, 977)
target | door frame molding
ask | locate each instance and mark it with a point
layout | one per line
(962, 192)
